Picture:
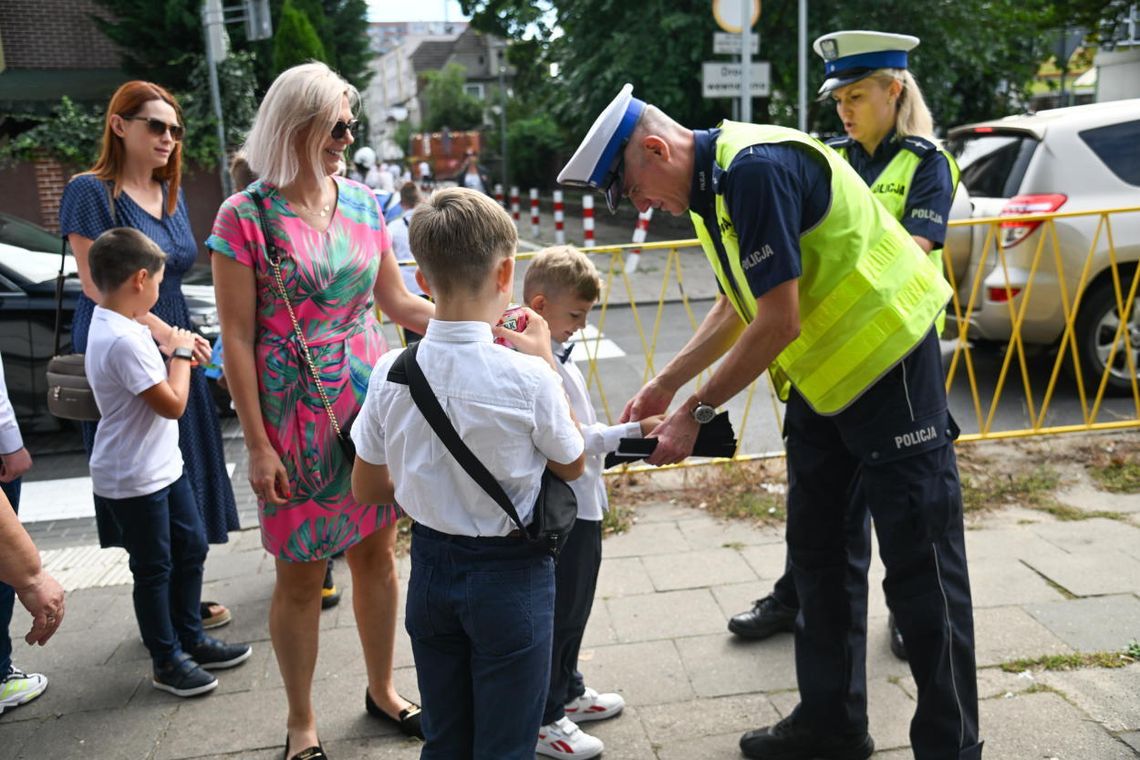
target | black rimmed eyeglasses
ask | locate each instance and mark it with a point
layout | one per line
(341, 127)
(158, 127)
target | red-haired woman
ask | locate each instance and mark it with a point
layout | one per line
(135, 183)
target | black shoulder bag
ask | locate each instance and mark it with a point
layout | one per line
(556, 508)
(69, 395)
(274, 257)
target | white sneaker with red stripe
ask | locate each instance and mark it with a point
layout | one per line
(594, 706)
(563, 738)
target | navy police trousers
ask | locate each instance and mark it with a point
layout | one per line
(891, 452)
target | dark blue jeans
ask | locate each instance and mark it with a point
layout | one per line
(7, 593)
(575, 579)
(480, 613)
(162, 533)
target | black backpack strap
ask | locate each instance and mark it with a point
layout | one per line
(406, 371)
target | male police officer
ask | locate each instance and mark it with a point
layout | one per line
(824, 288)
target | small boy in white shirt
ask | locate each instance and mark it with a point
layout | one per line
(562, 285)
(480, 604)
(136, 465)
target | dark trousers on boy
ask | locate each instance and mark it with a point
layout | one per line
(7, 593)
(163, 535)
(575, 580)
(480, 614)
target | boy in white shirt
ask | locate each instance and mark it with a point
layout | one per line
(562, 285)
(480, 604)
(136, 465)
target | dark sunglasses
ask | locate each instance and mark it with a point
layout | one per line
(341, 127)
(158, 127)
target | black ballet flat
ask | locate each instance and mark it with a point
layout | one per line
(408, 722)
(309, 753)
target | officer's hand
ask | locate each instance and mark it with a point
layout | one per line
(675, 438)
(652, 399)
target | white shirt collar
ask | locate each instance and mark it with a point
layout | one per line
(458, 332)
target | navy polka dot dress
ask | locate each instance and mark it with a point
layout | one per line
(84, 210)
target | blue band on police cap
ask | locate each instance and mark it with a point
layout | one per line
(882, 59)
(617, 140)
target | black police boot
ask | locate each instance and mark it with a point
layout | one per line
(898, 646)
(767, 616)
(788, 741)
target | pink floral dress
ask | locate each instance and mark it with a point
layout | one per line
(329, 278)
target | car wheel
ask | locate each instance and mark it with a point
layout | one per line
(1095, 330)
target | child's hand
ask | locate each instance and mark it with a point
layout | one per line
(179, 338)
(534, 340)
(650, 423)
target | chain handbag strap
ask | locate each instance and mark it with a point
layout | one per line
(275, 263)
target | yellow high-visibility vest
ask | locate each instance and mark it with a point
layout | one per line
(868, 294)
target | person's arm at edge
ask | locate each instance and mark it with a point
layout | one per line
(372, 483)
(20, 568)
(394, 299)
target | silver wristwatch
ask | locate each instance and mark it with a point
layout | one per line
(182, 353)
(703, 413)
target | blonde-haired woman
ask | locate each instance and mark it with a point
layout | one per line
(301, 340)
(889, 143)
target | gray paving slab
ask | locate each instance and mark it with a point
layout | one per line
(1005, 543)
(711, 533)
(1002, 634)
(662, 512)
(622, 576)
(768, 561)
(89, 689)
(665, 615)
(599, 629)
(14, 734)
(650, 538)
(1110, 697)
(697, 569)
(722, 664)
(1097, 534)
(995, 683)
(734, 598)
(1104, 624)
(1002, 582)
(133, 734)
(645, 673)
(1087, 497)
(1090, 573)
(1044, 725)
(682, 721)
(717, 747)
(1132, 739)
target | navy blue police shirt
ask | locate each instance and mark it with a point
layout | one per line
(930, 194)
(775, 193)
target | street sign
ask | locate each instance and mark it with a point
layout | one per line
(728, 14)
(722, 80)
(258, 24)
(729, 44)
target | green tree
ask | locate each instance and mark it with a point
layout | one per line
(295, 40)
(154, 38)
(445, 102)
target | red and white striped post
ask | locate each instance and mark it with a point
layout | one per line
(639, 233)
(534, 212)
(559, 218)
(515, 203)
(587, 220)
(499, 195)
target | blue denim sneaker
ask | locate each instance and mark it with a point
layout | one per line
(213, 654)
(183, 677)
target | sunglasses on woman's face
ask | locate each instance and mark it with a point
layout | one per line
(158, 127)
(341, 127)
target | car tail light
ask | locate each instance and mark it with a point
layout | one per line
(1013, 233)
(1001, 295)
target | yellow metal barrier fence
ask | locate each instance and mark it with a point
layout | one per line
(1020, 295)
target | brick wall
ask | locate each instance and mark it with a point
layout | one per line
(54, 34)
(50, 179)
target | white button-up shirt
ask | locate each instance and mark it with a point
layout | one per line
(10, 439)
(600, 438)
(509, 408)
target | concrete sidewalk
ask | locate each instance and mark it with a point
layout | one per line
(657, 634)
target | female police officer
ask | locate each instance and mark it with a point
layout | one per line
(889, 143)
(826, 290)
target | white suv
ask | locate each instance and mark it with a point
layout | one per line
(1064, 160)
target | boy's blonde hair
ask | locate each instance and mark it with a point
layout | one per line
(562, 269)
(457, 237)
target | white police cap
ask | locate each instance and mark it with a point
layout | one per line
(597, 163)
(851, 55)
